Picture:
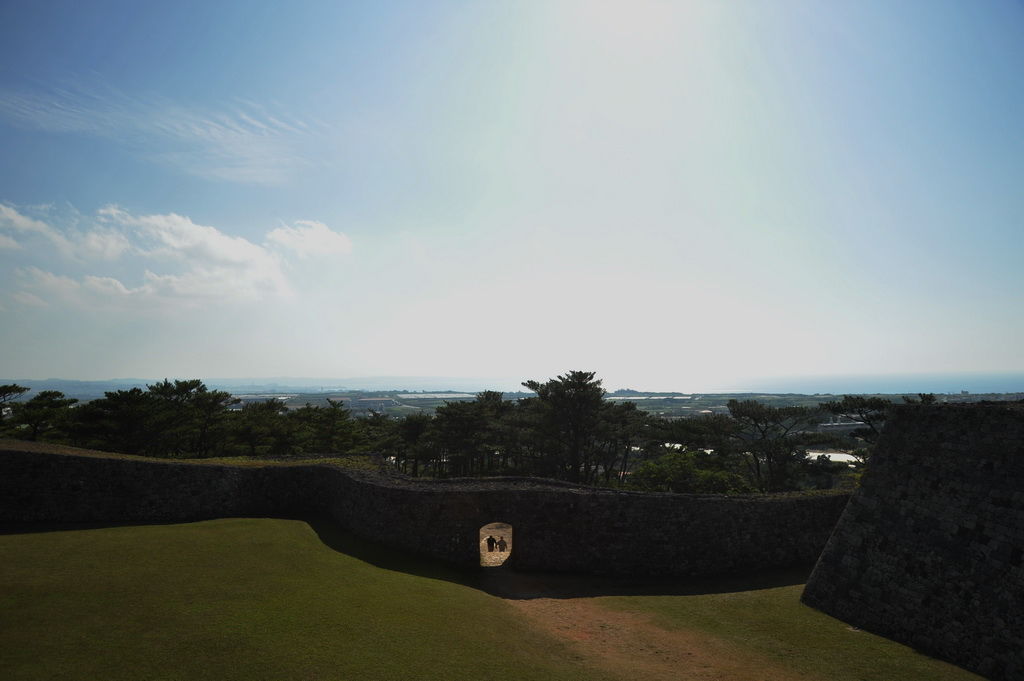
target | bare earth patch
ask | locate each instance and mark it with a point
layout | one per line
(632, 646)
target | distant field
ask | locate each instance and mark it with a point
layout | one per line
(670, 405)
(283, 599)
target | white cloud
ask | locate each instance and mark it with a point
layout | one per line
(310, 238)
(12, 220)
(161, 259)
(30, 299)
(50, 284)
(76, 244)
(177, 237)
(240, 143)
(103, 244)
(158, 259)
(109, 286)
(216, 265)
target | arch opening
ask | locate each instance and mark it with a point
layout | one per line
(495, 544)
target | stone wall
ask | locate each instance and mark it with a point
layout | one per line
(929, 550)
(56, 488)
(557, 526)
(578, 529)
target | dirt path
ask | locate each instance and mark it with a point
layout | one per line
(632, 646)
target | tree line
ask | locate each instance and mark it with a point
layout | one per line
(567, 431)
(179, 419)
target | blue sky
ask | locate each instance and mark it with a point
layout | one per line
(680, 195)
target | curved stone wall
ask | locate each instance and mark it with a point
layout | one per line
(929, 550)
(558, 527)
(578, 529)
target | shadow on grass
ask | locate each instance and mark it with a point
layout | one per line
(386, 558)
(327, 530)
(506, 582)
(503, 582)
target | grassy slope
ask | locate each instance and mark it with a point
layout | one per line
(772, 622)
(250, 599)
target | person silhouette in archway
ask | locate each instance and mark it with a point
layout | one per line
(490, 543)
(502, 544)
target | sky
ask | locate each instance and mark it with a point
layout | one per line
(677, 195)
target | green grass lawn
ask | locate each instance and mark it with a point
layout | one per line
(771, 622)
(251, 599)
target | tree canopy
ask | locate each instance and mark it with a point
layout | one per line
(567, 430)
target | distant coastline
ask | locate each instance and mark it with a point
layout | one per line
(892, 384)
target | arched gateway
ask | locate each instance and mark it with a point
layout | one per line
(495, 544)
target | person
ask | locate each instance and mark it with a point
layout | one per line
(502, 544)
(490, 543)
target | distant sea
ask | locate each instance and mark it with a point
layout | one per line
(1010, 382)
(1007, 382)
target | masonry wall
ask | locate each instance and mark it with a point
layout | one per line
(59, 488)
(558, 527)
(578, 529)
(929, 550)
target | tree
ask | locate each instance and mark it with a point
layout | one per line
(459, 430)
(412, 431)
(568, 431)
(871, 412)
(714, 440)
(120, 421)
(681, 471)
(188, 418)
(44, 414)
(622, 427)
(335, 431)
(377, 434)
(773, 440)
(253, 425)
(494, 445)
(9, 392)
(207, 421)
(569, 408)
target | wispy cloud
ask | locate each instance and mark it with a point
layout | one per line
(240, 142)
(27, 299)
(40, 286)
(309, 238)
